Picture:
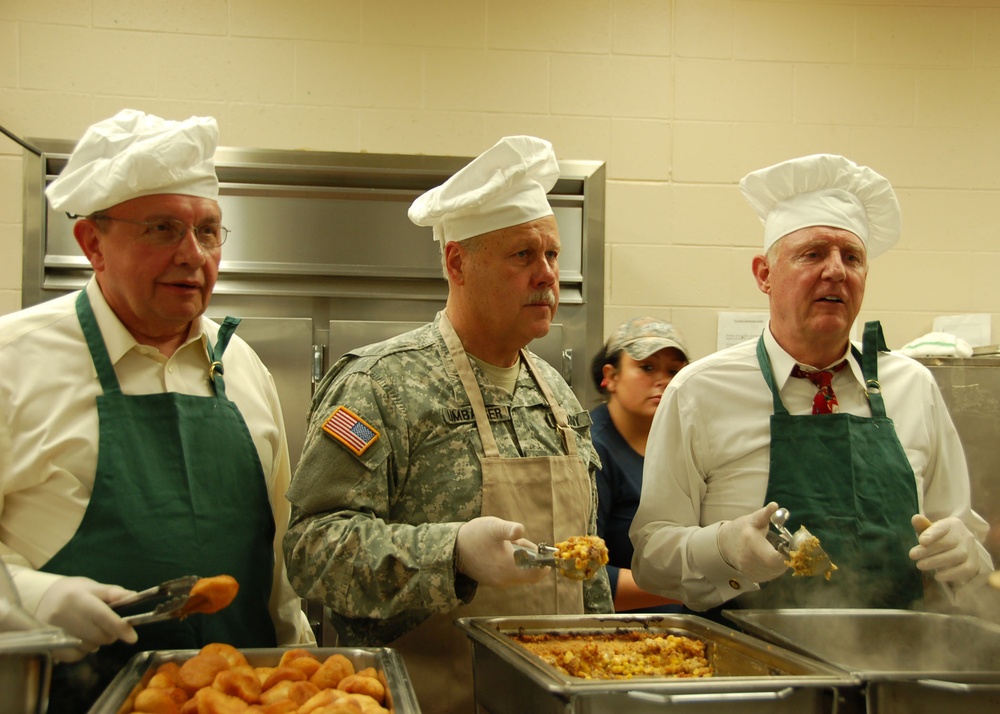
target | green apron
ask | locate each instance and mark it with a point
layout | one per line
(179, 490)
(847, 479)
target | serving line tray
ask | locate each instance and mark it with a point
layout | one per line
(910, 662)
(400, 697)
(750, 675)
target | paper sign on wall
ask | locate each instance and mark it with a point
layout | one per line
(736, 327)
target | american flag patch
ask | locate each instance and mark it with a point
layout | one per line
(350, 430)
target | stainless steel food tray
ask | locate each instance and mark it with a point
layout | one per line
(26, 668)
(910, 662)
(751, 675)
(400, 698)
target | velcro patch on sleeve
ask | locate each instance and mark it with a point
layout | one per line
(350, 430)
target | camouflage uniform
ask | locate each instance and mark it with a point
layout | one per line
(373, 536)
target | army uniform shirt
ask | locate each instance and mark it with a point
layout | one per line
(375, 512)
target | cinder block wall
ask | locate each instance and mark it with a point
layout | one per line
(679, 98)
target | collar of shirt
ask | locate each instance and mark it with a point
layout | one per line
(117, 339)
(782, 362)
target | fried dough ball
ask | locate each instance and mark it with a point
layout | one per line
(365, 704)
(212, 701)
(165, 677)
(282, 674)
(239, 682)
(288, 655)
(344, 706)
(309, 665)
(299, 692)
(200, 671)
(285, 706)
(334, 669)
(233, 656)
(322, 698)
(263, 673)
(210, 595)
(157, 701)
(358, 684)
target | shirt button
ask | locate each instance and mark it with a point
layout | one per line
(734, 584)
(170, 369)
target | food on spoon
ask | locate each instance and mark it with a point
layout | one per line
(210, 595)
(587, 553)
(809, 559)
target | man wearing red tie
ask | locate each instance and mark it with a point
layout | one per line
(855, 441)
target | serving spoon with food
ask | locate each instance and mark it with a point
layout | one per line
(804, 554)
(577, 557)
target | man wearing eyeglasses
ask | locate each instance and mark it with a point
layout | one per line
(139, 440)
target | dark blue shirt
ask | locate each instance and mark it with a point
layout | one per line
(619, 485)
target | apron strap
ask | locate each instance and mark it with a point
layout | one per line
(226, 330)
(873, 343)
(472, 390)
(475, 394)
(765, 369)
(562, 420)
(95, 342)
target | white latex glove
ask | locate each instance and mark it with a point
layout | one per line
(79, 606)
(486, 553)
(744, 546)
(947, 547)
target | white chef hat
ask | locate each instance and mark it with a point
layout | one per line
(824, 190)
(135, 154)
(504, 186)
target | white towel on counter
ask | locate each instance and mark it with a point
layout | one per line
(937, 344)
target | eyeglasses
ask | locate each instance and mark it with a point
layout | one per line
(170, 231)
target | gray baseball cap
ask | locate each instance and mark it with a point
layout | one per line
(643, 336)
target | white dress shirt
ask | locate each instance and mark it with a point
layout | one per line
(49, 432)
(708, 455)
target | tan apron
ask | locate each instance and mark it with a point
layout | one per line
(437, 654)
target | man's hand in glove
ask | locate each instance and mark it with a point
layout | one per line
(80, 607)
(485, 553)
(744, 546)
(947, 547)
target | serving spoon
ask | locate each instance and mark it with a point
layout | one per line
(547, 556)
(786, 543)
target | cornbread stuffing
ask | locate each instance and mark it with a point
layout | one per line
(588, 553)
(620, 655)
(809, 559)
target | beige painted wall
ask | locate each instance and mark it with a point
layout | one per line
(679, 98)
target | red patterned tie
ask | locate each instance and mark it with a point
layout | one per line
(825, 401)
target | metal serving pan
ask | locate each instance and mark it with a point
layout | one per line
(26, 669)
(910, 662)
(751, 675)
(400, 698)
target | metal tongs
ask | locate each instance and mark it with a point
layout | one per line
(174, 593)
(546, 556)
(785, 543)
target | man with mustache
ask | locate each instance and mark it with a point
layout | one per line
(125, 458)
(429, 455)
(856, 443)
